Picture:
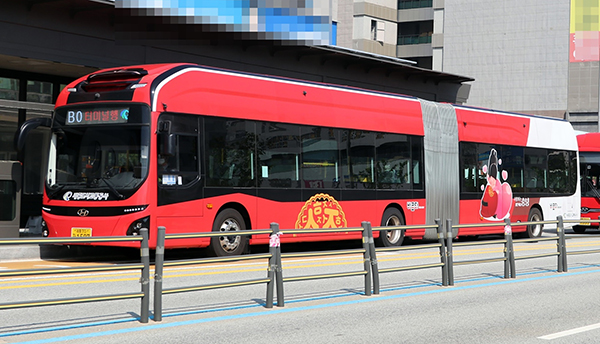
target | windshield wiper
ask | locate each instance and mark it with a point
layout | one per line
(593, 188)
(54, 192)
(112, 188)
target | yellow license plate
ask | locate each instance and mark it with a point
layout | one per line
(585, 223)
(81, 232)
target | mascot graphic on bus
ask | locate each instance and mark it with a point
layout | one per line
(497, 198)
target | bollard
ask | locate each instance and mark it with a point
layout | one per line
(373, 255)
(273, 244)
(278, 269)
(145, 280)
(509, 251)
(562, 245)
(440, 231)
(366, 258)
(449, 252)
(158, 272)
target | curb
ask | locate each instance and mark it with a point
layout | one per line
(20, 252)
(65, 252)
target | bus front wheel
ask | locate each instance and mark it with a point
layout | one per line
(391, 217)
(229, 220)
(534, 231)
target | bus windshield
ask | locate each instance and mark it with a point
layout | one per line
(590, 174)
(100, 160)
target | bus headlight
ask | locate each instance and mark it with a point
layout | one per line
(45, 231)
(137, 225)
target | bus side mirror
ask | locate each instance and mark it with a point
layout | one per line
(169, 142)
(168, 139)
(28, 126)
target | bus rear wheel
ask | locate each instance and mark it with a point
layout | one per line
(534, 231)
(391, 217)
(229, 220)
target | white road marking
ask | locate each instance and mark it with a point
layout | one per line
(570, 332)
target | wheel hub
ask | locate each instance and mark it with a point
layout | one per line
(231, 242)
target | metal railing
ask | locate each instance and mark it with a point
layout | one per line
(509, 257)
(440, 244)
(365, 251)
(579, 252)
(160, 263)
(409, 4)
(275, 279)
(144, 266)
(414, 39)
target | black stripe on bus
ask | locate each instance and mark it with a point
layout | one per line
(93, 211)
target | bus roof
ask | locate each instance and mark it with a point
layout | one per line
(589, 142)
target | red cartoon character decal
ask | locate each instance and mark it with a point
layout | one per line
(497, 198)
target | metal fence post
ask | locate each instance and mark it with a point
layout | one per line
(373, 254)
(158, 272)
(273, 244)
(145, 280)
(562, 245)
(440, 231)
(278, 269)
(509, 251)
(366, 258)
(449, 252)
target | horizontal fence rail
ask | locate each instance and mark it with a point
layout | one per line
(365, 251)
(580, 252)
(509, 257)
(441, 245)
(160, 263)
(144, 267)
(275, 280)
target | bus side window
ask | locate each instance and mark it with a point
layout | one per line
(470, 167)
(230, 146)
(320, 157)
(536, 170)
(358, 159)
(278, 155)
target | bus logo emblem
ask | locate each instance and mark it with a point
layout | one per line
(83, 212)
(321, 211)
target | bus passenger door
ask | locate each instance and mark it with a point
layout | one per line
(179, 185)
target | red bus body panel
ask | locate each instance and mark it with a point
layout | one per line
(217, 92)
(190, 89)
(590, 143)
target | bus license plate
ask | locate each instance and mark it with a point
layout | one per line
(81, 232)
(585, 223)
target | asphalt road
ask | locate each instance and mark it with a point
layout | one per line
(539, 306)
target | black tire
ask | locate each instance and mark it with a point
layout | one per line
(228, 245)
(391, 217)
(579, 229)
(534, 231)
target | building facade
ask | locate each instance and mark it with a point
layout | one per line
(532, 56)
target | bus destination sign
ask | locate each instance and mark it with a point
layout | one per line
(97, 116)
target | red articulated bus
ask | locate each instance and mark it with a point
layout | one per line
(195, 148)
(589, 159)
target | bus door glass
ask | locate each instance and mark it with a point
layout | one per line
(178, 159)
